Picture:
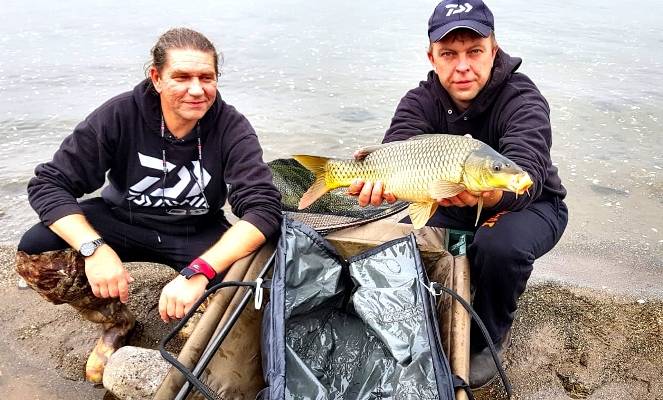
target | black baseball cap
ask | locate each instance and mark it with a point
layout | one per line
(455, 14)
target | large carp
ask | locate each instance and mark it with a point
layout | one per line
(420, 170)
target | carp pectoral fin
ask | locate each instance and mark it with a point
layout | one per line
(444, 189)
(479, 207)
(420, 213)
(317, 165)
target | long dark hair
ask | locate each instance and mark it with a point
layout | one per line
(180, 38)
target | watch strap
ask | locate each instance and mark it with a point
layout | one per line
(198, 266)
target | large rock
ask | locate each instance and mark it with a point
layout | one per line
(135, 373)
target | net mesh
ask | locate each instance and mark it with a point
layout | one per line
(334, 210)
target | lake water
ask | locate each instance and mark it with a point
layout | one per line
(325, 78)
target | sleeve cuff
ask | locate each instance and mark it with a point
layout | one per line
(505, 202)
(267, 226)
(49, 217)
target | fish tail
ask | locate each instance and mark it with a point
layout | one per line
(317, 165)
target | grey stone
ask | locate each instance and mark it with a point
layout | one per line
(135, 373)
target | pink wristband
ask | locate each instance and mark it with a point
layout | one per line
(199, 266)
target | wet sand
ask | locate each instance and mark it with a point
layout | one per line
(598, 338)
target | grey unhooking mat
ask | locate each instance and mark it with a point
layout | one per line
(361, 329)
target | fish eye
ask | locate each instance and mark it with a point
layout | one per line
(497, 167)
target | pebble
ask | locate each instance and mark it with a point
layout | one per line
(22, 284)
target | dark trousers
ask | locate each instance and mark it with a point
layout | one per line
(501, 258)
(130, 241)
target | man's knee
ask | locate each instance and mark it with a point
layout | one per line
(489, 248)
(500, 260)
(40, 239)
(58, 276)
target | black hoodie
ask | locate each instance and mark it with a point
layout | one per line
(122, 138)
(509, 114)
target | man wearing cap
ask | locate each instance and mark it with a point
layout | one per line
(474, 88)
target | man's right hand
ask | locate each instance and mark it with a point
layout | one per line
(370, 193)
(107, 275)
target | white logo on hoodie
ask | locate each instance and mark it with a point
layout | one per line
(145, 194)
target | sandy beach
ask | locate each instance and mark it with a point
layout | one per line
(601, 340)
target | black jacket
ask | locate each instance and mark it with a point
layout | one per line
(509, 114)
(122, 139)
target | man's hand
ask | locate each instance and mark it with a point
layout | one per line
(179, 295)
(370, 193)
(462, 199)
(470, 199)
(107, 275)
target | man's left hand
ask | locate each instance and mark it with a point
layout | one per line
(470, 199)
(179, 295)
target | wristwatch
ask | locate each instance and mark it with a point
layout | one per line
(88, 248)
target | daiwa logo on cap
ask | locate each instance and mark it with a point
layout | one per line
(458, 8)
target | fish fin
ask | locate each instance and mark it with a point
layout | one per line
(430, 135)
(444, 189)
(314, 164)
(365, 151)
(424, 136)
(317, 165)
(420, 213)
(479, 207)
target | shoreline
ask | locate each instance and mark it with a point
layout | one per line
(610, 268)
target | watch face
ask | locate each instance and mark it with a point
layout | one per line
(87, 249)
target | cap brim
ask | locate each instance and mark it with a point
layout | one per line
(444, 30)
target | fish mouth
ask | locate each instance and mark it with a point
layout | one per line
(520, 183)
